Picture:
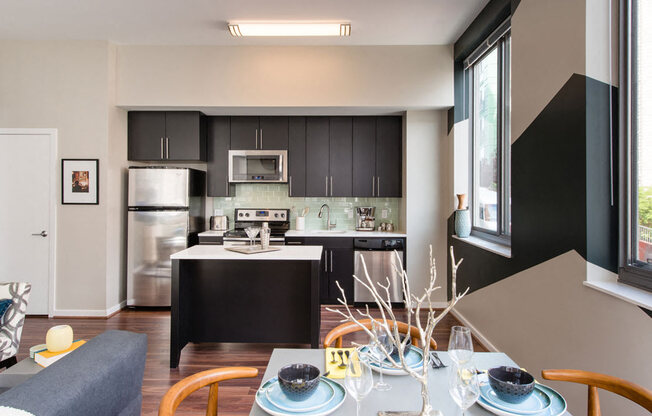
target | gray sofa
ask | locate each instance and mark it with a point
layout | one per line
(104, 377)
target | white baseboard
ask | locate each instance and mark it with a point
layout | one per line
(479, 335)
(115, 308)
(91, 313)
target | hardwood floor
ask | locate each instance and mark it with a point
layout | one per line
(236, 396)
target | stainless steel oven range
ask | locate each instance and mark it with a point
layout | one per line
(278, 221)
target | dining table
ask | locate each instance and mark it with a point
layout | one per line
(405, 393)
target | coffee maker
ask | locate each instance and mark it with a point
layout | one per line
(365, 218)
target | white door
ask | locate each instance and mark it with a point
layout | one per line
(26, 200)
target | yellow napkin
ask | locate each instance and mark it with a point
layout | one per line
(332, 368)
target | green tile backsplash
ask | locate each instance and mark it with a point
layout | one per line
(257, 195)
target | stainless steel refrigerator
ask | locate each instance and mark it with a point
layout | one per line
(165, 213)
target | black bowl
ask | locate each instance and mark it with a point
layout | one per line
(298, 381)
(511, 384)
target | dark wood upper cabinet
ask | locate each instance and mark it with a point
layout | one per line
(273, 134)
(182, 129)
(341, 162)
(217, 163)
(317, 156)
(389, 156)
(166, 135)
(297, 157)
(364, 156)
(146, 135)
(244, 133)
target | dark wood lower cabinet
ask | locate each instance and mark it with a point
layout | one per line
(336, 266)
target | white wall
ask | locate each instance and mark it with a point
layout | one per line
(548, 46)
(65, 85)
(544, 317)
(428, 195)
(214, 76)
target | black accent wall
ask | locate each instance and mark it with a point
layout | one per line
(560, 189)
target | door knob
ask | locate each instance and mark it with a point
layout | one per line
(42, 233)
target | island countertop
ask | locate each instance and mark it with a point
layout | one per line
(216, 252)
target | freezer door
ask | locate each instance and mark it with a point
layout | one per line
(152, 237)
(152, 187)
(380, 265)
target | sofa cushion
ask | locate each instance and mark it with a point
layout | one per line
(101, 378)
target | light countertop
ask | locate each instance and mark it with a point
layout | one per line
(345, 233)
(215, 252)
(212, 233)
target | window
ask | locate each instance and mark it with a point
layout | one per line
(489, 76)
(637, 65)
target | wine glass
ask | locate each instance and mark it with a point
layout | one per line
(252, 232)
(463, 385)
(460, 345)
(358, 379)
(382, 341)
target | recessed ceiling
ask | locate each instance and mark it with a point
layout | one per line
(204, 22)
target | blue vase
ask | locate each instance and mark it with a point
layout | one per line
(462, 223)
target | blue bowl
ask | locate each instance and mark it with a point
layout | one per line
(511, 384)
(298, 381)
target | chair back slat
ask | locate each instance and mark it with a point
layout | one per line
(638, 394)
(336, 334)
(182, 389)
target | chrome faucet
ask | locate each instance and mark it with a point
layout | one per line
(329, 226)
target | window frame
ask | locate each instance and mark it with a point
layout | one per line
(631, 271)
(500, 40)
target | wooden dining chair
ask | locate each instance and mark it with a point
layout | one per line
(188, 385)
(633, 392)
(336, 333)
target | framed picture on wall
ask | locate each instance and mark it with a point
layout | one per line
(80, 181)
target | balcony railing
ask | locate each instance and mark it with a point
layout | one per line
(645, 234)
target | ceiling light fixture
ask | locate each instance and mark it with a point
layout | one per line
(289, 29)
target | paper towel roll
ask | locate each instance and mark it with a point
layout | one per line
(58, 338)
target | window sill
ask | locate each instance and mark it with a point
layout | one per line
(496, 248)
(611, 286)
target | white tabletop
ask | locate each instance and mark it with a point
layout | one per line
(216, 252)
(345, 233)
(405, 394)
(212, 233)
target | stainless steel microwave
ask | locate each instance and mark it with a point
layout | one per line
(258, 166)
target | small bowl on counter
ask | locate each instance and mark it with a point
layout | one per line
(511, 384)
(298, 381)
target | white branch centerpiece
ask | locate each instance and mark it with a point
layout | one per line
(414, 306)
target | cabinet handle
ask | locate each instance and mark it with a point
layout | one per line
(331, 186)
(373, 186)
(326, 177)
(161, 148)
(331, 261)
(326, 261)
(256, 139)
(378, 187)
(226, 187)
(290, 185)
(293, 243)
(261, 139)
(167, 148)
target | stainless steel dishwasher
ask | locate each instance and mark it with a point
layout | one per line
(381, 261)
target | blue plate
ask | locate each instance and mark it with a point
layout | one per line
(327, 408)
(536, 403)
(323, 394)
(414, 359)
(557, 404)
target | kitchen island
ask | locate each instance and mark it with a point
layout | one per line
(223, 296)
